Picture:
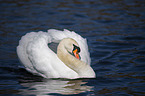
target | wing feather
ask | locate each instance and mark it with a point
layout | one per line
(38, 58)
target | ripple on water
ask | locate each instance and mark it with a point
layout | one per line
(116, 38)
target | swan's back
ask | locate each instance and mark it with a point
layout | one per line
(33, 52)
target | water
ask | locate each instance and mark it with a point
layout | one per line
(115, 31)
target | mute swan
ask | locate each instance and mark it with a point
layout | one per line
(71, 61)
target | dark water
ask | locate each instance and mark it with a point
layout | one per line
(115, 30)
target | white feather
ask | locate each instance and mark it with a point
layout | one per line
(38, 58)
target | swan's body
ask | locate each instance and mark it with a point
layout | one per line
(35, 54)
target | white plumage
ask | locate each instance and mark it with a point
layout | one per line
(35, 54)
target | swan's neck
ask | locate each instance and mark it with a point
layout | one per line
(80, 67)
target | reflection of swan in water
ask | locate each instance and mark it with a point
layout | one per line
(37, 57)
(55, 86)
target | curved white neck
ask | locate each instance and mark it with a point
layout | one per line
(80, 67)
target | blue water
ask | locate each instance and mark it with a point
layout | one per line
(115, 30)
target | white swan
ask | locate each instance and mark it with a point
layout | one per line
(35, 54)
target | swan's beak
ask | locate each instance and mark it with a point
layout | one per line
(76, 54)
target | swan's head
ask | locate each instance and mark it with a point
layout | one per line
(71, 46)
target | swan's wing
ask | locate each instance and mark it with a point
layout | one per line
(21, 51)
(59, 35)
(38, 58)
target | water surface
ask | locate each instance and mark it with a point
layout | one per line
(116, 37)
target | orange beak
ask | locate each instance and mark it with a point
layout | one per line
(76, 53)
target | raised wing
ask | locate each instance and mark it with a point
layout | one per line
(38, 58)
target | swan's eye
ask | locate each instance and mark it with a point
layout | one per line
(76, 47)
(76, 51)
